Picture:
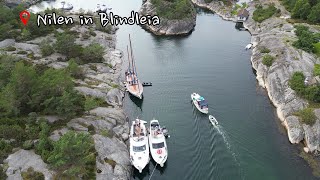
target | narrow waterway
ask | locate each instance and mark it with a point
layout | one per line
(249, 143)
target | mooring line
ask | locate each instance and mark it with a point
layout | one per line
(153, 171)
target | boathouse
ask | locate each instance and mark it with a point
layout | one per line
(243, 15)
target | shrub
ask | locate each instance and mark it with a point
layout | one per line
(297, 82)
(46, 48)
(92, 102)
(22, 52)
(10, 48)
(74, 70)
(5, 149)
(317, 48)
(267, 60)
(66, 45)
(306, 39)
(93, 53)
(261, 14)
(264, 50)
(316, 70)
(74, 154)
(30, 174)
(307, 116)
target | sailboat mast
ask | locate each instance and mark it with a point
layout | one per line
(128, 59)
(132, 58)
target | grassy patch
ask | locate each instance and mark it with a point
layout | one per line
(92, 102)
(312, 163)
(264, 50)
(32, 175)
(307, 116)
(115, 85)
(261, 14)
(316, 70)
(22, 52)
(317, 49)
(267, 60)
(10, 48)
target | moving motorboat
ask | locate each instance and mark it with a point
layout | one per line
(249, 46)
(133, 84)
(139, 147)
(213, 120)
(157, 143)
(66, 6)
(200, 103)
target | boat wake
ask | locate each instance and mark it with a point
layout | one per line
(224, 136)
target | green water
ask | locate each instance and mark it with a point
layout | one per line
(249, 142)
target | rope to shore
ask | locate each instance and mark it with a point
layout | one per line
(153, 171)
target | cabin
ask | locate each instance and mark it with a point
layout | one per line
(243, 15)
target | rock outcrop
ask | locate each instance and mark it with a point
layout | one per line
(21, 160)
(277, 35)
(167, 26)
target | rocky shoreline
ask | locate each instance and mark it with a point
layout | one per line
(277, 35)
(108, 125)
(166, 26)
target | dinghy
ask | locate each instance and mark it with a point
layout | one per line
(200, 103)
(139, 147)
(157, 143)
(249, 46)
(213, 120)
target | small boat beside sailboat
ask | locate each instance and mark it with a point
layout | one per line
(200, 103)
(133, 84)
(66, 6)
(139, 146)
(157, 143)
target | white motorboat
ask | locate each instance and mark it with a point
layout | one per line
(66, 6)
(139, 147)
(133, 84)
(157, 143)
(213, 120)
(200, 103)
(249, 46)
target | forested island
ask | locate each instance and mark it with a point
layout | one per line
(60, 101)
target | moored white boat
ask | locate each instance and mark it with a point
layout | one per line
(139, 146)
(249, 46)
(157, 143)
(200, 103)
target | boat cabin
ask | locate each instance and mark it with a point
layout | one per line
(155, 129)
(243, 15)
(203, 104)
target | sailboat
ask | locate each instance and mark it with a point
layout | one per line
(133, 84)
(139, 147)
(157, 143)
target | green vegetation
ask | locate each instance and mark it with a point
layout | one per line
(304, 9)
(32, 175)
(74, 70)
(307, 116)
(78, 161)
(267, 60)
(261, 14)
(264, 50)
(174, 9)
(306, 39)
(91, 103)
(316, 70)
(317, 48)
(92, 53)
(46, 48)
(311, 93)
(11, 27)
